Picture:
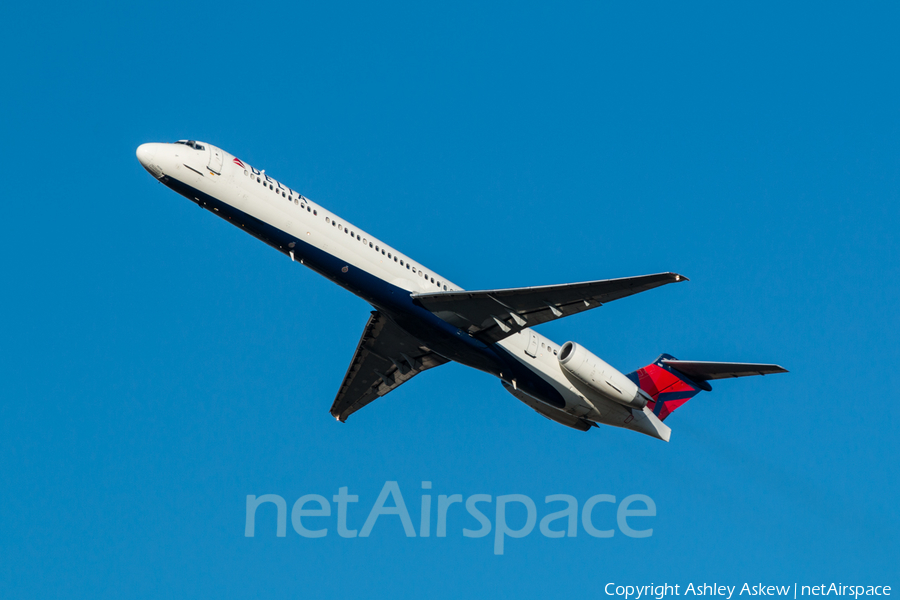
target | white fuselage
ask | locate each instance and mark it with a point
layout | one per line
(358, 261)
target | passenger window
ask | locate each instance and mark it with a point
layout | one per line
(432, 280)
(370, 244)
(315, 212)
(327, 220)
(296, 202)
(258, 180)
(246, 172)
(389, 254)
(340, 227)
(445, 288)
(407, 266)
(414, 270)
(395, 259)
(358, 237)
(382, 250)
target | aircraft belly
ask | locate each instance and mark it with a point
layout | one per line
(438, 335)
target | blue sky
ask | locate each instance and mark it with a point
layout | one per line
(158, 365)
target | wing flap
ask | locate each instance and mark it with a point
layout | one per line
(492, 315)
(705, 371)
(385, 358)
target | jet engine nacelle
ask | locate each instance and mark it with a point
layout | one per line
(590, 373)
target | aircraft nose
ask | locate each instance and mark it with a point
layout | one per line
(146, 153)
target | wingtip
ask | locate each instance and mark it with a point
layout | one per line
(679, 277)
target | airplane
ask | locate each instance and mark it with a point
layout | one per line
(423, 320)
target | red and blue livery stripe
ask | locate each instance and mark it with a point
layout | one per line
(669, 388)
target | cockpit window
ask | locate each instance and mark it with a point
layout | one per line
(192, 144)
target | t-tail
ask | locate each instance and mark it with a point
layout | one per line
(671, 382)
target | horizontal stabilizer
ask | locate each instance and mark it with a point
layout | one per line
(492, 315)
(671, 382)
(704, 371)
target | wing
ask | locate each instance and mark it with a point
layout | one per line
(491, 315)
(704, 371)
(386, 357)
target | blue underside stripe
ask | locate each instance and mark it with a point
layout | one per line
(442, 337)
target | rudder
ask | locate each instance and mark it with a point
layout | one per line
(668, 387)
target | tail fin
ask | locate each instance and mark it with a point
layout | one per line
(671, 382)
(668, 388)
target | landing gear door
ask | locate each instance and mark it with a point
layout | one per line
(215, 159)
(531, 350)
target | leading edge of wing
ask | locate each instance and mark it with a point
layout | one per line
(492, 315)
(669, 277)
